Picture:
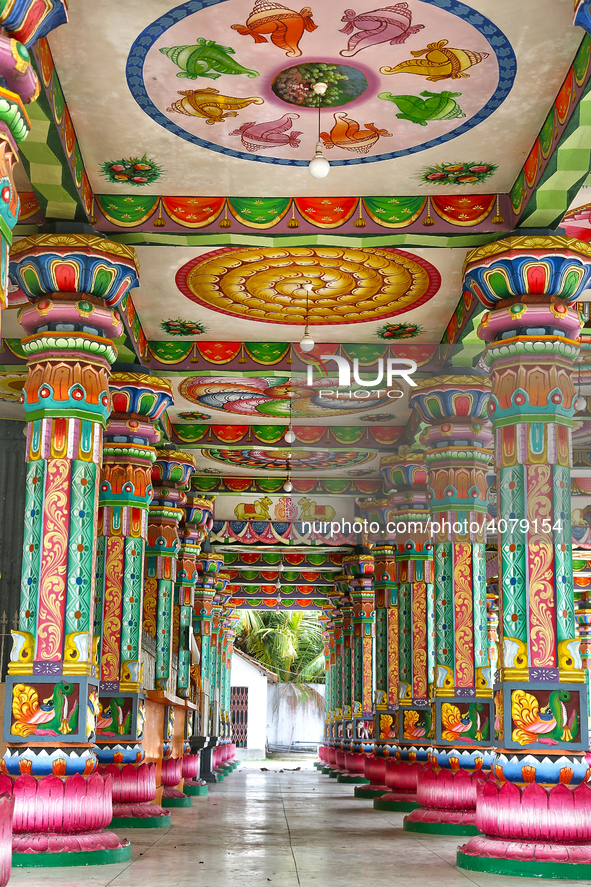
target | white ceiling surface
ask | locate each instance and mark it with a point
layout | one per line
(158, 299)
(91, 54)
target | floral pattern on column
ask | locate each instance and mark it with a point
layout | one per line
(531, 334)
(66, 397)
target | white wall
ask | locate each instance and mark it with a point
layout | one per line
(287, 722)
(244, 674)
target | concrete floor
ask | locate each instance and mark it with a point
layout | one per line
(290, 829)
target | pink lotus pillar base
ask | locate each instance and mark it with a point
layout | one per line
(62, 820)
(375, 773)
(401, 779)
(6, 814)
(531, 831)
(171, 775)
(134, 789)
(447, 801)
(353, 770)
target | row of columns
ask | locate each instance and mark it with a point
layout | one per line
(112, 553)
(480, 710)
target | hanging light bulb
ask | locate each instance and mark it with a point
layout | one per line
(288, 486)
(319, 166)
(289, 436)
(307, 342)
(580, 403)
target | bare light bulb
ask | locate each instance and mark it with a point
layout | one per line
(288, 486)
(319, 166)
(580, 403)
(289, 436)
(307, 342)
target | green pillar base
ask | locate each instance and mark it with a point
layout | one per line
(220, 775)
(177, 802)
(89, 857)
(234, 764)
(441, 828)
(194, 790)
(326, 771)
(227, 768)
(368, 793)
(333, 774)
(525, 868)
(352, 780)
(396, 806)
(140, 822)
(319, 765)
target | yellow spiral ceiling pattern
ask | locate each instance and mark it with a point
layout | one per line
(348, 285)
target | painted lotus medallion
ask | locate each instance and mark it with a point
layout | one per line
(348, 285)
(219, 73)
(278, 460)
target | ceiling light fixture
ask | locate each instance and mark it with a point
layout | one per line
(307, 342)
(319, 166)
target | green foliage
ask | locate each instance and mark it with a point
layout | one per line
(288, 642)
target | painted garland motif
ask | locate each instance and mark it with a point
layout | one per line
(136, 171)
(349, 285)
(230, 79)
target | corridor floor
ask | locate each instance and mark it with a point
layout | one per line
(278, 829)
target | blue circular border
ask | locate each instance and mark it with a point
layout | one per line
(134, 71)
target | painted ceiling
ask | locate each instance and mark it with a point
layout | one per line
(217, 94)
(185, 131)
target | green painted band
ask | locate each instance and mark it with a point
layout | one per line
(397, 806)
(177, 802)
(525, 868)
(352, 780)
(440, 828)
(140, 822)
(194, 790)
(368, 793)
(89, 857)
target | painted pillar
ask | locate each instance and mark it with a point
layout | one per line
(359, 570)
(458, 455)
(171, 476)
(532, 814)
(125, 493)
(386, 654)
(202, 741)
(405, 477)
(22, 23)
(73, 284)
(337, 621)
(194, 527)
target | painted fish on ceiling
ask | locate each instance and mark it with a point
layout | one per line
(389, 24)
(205, 58)
(440, 63)
(285, 26)
(347, 133)
(258, 136)
(209, 104)
(434, 106)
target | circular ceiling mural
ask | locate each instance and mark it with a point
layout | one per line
(280, 460)
(272, 397)
(347, 285)
(221, 74)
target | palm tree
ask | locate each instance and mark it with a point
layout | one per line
(288, 642)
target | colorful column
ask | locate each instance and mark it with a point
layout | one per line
(73, 284)
(125, 493)
(386, 653)
(534, 814)
(22, 23)
(171, 477)
(458, 455)
(197, 521)
(202, 742)
(405, 478)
